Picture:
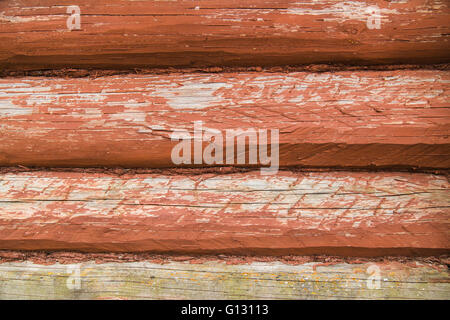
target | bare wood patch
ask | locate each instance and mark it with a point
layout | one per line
(215, 280)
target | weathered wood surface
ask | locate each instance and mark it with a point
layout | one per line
(337, 213)
(341, 119)
(123, 34)
(215, 280)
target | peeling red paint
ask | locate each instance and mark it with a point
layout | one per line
(340, 119)
(122, 34)
(340, 213)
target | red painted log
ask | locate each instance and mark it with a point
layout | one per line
(337, 213)
(342, 119)
(182, 33)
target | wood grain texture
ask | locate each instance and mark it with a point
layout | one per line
(341, 119)
(336, 213)
(182, 33)
(215, 280)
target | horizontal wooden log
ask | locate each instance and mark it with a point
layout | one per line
(180, 33)
(215, 280)
(342, 119)
(336, 213)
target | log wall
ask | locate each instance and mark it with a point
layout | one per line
(358, 90)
